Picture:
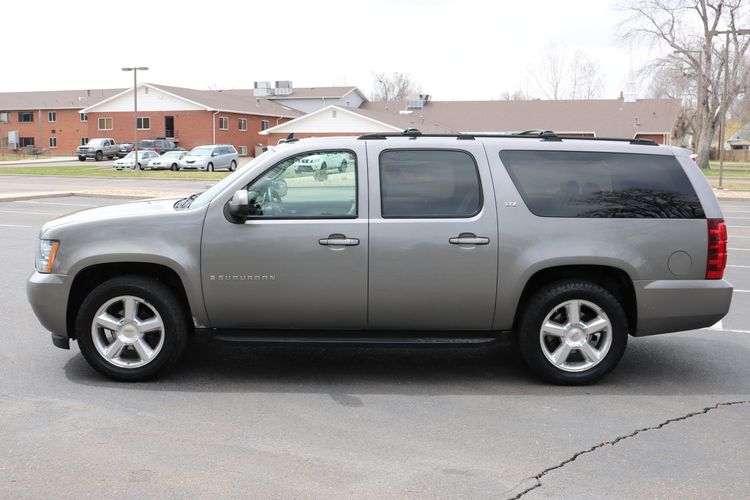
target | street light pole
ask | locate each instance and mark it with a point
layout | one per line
(135, 109)
(723, 123)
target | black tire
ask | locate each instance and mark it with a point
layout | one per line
(98, 156)
(110, 157)
(232, 166)
(173, 168)
(140, 167)
(543, 302)
(81, 158)
(159, 296)
(342, 167)
(210, 167)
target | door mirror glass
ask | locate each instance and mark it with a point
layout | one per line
(239, 206)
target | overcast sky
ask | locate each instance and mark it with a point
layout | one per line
(467, 49)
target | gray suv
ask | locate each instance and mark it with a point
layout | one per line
(570, 245)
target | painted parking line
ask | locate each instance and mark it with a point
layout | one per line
(741, 291)
(31, 202)
(746, 227)
(739, 266)
(28, 212)
(739, 249)
(13, 225)
(719, 327)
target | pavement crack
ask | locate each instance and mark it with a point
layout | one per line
(538, 477)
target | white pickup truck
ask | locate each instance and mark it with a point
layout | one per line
(97, 149)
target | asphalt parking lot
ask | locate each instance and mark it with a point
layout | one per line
(672, 421)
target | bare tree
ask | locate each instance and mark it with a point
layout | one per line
(550, 71)
(686, 28)
(516, 95)
(394, 87)
(586, 81)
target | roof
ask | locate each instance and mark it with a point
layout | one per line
(54, 99)
(317, 93)
(241, 101)
(604, 117)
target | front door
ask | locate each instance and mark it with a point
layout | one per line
(169, 127)
(299, 261)
(433, 238)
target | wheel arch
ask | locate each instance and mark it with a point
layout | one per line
(94, 275)
(615, 280)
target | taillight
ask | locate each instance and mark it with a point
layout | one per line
(716, 260)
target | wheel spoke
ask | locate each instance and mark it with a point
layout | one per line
(590, 352)
(144, 350)
(573, 310)
(129, 308)
(149, 325)
(553, 329)
(106, 320)
(114, 349)
(596, 325)
(560, 356)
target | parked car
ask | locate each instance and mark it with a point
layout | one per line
(169, 160)
(570, 245)
(129, 160)
(161, 146)
(323, 163)
(124, 148)
(98, 149)
(211, 157)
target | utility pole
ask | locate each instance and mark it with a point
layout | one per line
(135, 109)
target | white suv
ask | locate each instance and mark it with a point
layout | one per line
(211, 157)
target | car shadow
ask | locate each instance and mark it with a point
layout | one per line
(675, 364)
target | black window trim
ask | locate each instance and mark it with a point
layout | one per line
(455, 150)
(524, 197)
(251, 218)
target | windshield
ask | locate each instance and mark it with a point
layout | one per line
(95, 142)
(145, 144)
(201, 151)
(208, 195)
(131, 155)
(171, 154)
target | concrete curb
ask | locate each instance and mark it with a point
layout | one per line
(31, 163)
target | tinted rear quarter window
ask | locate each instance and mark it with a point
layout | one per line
(600, 184)
(429, 184)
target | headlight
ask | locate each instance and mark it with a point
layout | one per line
(46, 252)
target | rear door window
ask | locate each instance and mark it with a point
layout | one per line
(601, 184)
(429, 184)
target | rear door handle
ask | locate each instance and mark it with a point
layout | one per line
(339, 240)
(469, 239)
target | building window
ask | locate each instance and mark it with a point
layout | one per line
(24, 117)
(52, 142)
(84, 117)
(243, 150)
(143, 123)
(52, 116)
(223, 123)
(4, 117)
(105, 123)
(242, 123)
(4, 144)
(84, 141)
(264, 125)
(26, 141)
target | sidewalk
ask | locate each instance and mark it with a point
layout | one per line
(39, 161)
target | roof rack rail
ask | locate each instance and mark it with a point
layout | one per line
(289, 138)
(545, 135)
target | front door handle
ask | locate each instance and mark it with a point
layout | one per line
(339, 240)
(469, 239)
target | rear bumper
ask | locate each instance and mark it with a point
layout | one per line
(48, 296)
(675, 305)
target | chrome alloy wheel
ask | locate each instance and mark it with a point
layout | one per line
(128, 332)
(576, 335)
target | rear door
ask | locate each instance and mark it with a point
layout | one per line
(433, 237)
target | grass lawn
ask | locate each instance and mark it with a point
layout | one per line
(99, 171)
(728, 172)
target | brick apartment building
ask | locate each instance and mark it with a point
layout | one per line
(59, 121)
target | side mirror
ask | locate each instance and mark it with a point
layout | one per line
(214, 154)
(239, 206)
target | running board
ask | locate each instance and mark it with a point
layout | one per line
(451, 339)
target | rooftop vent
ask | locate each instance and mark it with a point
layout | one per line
(417, 101)
(261, 89)
(283, 87)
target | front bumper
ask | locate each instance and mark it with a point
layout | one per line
(48, 296)
(675, 305)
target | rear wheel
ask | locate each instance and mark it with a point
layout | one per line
(131, 328)
(173, 167)
(232, 166)
(573, 332)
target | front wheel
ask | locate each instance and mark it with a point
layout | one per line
(210, 167)
(342, 167)
(131, 328)
(573, 332)
(98, 156)
(173, 167)
(81, 158)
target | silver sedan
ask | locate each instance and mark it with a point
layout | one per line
(169, 160)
